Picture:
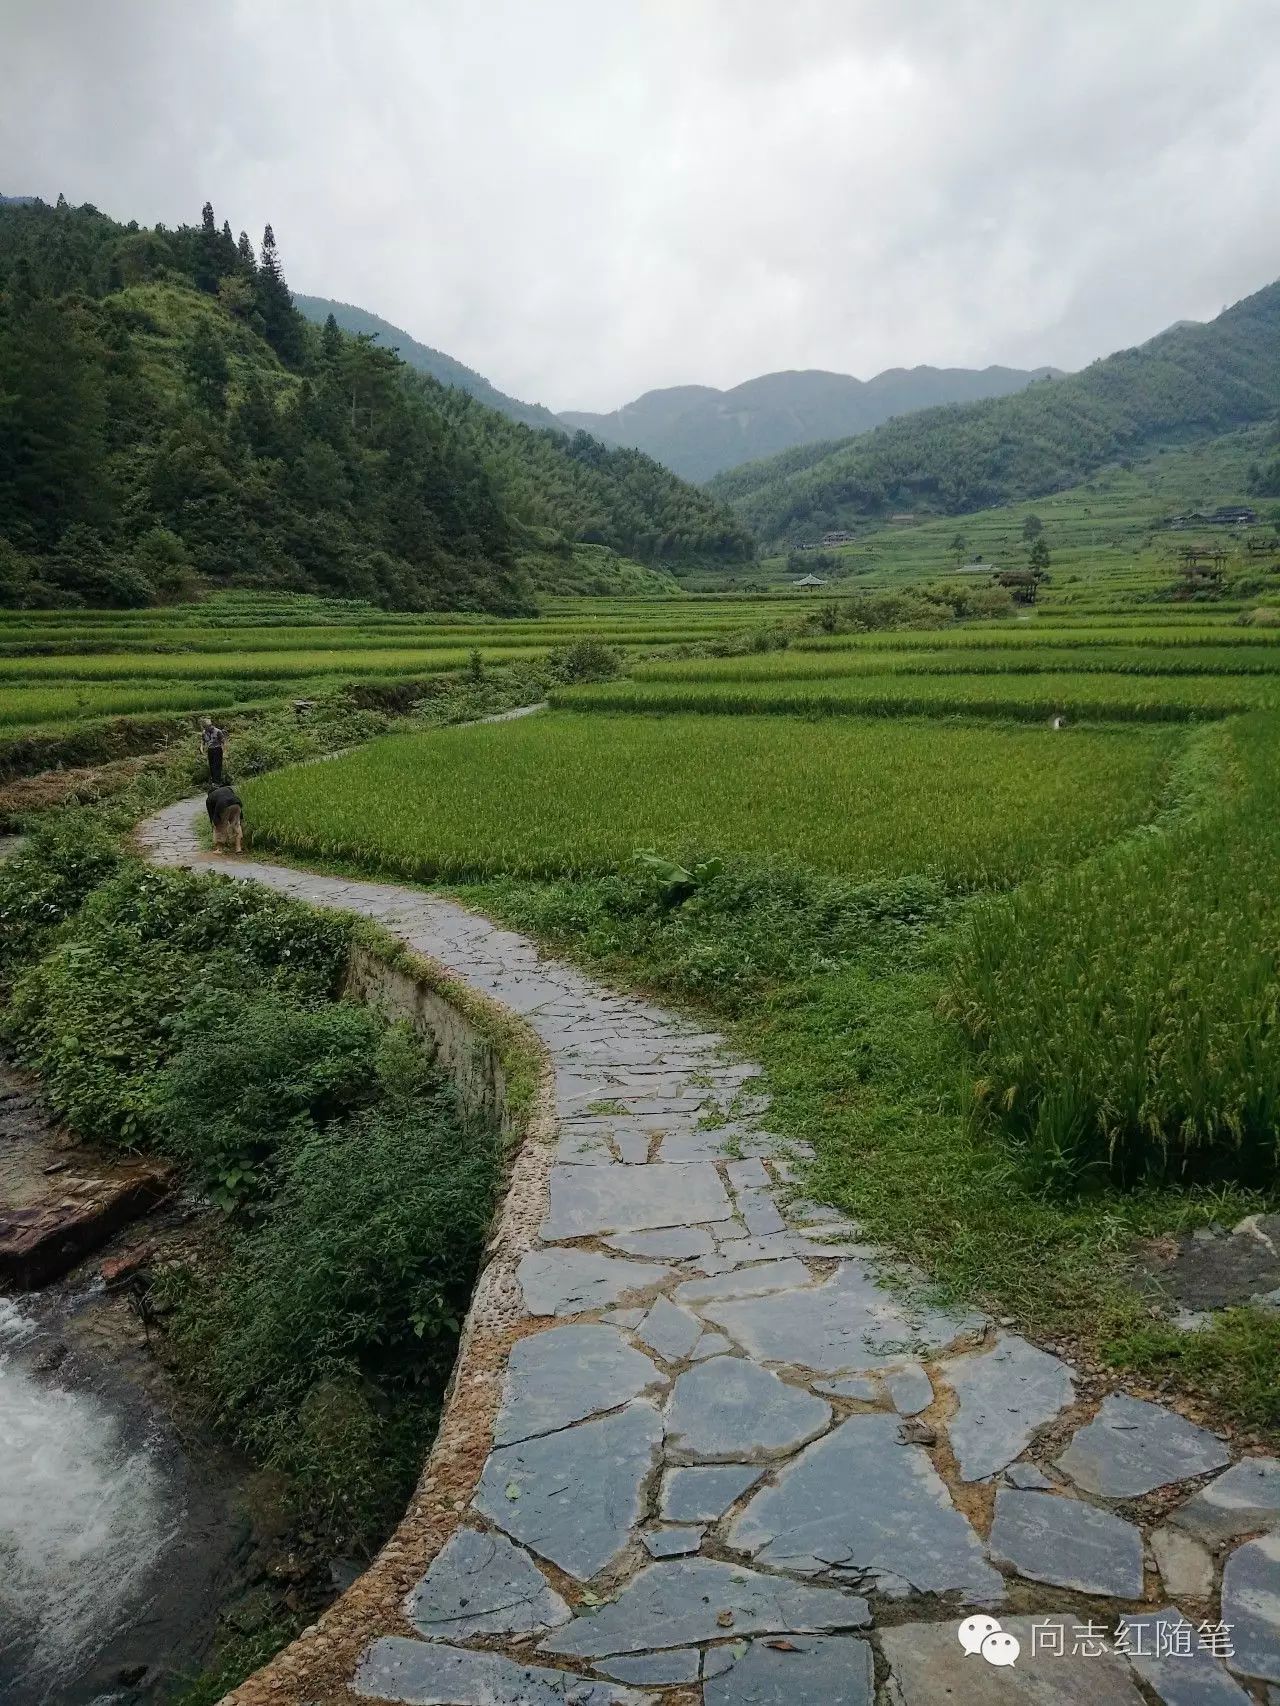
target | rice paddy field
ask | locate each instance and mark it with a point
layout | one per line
(972, 807)
(996, 902)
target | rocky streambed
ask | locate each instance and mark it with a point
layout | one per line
(129, 1539)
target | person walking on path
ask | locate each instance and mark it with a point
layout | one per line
(213, 743)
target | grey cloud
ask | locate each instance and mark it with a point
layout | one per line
(583, 201)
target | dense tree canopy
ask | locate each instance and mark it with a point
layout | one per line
(1190, 381)
(167, 417)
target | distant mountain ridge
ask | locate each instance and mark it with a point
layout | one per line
(425, 359)
(698, 431)
(1190, 381)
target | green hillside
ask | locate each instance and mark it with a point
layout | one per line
(423, 359)
(169, 420)
(1189, 382)
(697, 431)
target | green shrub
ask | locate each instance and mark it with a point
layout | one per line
(46, 881)
(583, 660)
(324, 1341)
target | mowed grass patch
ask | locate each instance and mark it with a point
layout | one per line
(562, 794)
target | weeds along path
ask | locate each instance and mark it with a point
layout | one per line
(712, 1452)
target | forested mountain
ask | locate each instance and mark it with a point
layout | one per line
(698, 431)
(423, 358)
(168, 417)
(1190, 381)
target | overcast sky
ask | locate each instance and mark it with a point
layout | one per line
(587, 198)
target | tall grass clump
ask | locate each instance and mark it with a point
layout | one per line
(1126, 1012)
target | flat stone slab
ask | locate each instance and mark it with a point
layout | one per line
(672, 1542)
(566, 1374)
(1251, 1605)
(1166, 1652)
(1244, 1500)
(669, 1330)
(1005, 1394)
(727, 1408)
(1132, 1447)
(817, 1670)
(423, 1673)
(655, 1669)
(909, 1389)
(710, 1345)
(591, 1201)
(704, 1494)
(860, 1386)
(846, 1325)
(689, 1601)
(1027, 1477)
(565, 1282)
(760, 1213)
(785, 1275)
(928, 1666)
(574, 1496)
(1066, 1543)
(859, 1504)
(668, 1244)
(480, 1584)
(1185, 1563)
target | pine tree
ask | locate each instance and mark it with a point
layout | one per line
(281, 323)
(330, 342)
(207, 268)
(245, 257)
(207, 371)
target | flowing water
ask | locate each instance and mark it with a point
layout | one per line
(113, 1554)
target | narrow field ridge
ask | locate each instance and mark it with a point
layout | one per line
(722, 1461)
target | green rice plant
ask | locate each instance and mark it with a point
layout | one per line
(1023, 697)
(1126, 1013)
(556, 794)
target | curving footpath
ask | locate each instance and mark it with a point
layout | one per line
(721, 1461)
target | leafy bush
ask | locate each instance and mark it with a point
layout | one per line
(98, 1016)
(584, 660)
(47, 880)
(365, 1265)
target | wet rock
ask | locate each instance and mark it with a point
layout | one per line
(683, 1602)
(861, 1503)
(613, 1198)
(117, 1271)
(909, 1389)
(846, 1325)
(1186, 1566)
(729, 1408)
(1066, 1543)
(574, 1497)
(424, 1673)
(812, 1671)
(1005, 1394)
(1177, 1666)
(672, 1542)
(565, 1282)
(704, 1494)
(670, 1331)
(928, 1666)
(1251, 1605)
(1244, 1500)
(655, 1669)
(480, 1584)
(1132, 1447)
(566, 1374)
(44, 1239)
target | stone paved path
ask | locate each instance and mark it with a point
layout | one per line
(731, 1466)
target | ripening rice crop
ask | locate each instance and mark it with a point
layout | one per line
(45, 705)
(1126, 1012)
(1029, 697)
(560, 794)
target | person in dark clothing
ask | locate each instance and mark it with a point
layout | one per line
(226, 814)
(213, 743)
